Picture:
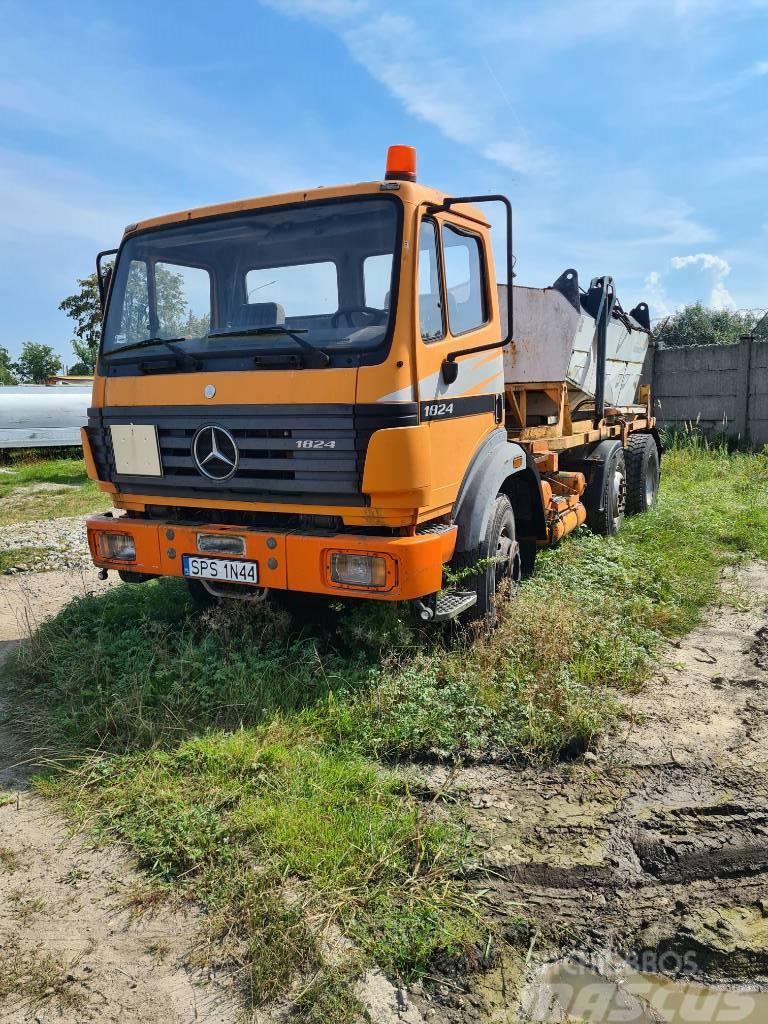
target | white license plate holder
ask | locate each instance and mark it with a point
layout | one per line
(220, 570)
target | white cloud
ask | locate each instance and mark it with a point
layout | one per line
(720, 297)
(656, 295)
(432, 83)
(706, 260)
(519, 156)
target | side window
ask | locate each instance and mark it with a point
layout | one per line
(304, 289)
(430, 307)
(377, 280)
(465, 293)
(183, 300)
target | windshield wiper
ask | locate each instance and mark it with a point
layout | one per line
(170, 343)
(276, 330)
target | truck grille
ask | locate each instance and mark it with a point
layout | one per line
(278, 457)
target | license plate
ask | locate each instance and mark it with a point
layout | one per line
(226, 570)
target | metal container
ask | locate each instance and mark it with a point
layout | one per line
(37, 416)
(556, 339)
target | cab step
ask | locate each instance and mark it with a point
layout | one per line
(451, 603)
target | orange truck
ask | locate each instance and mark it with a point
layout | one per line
(327, 392)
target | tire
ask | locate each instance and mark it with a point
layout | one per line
(643, 472)
(501, 553)
(528, 551)
(607, 520)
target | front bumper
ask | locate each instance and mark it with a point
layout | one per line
(287, 560)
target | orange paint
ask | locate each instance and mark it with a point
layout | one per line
(298, 561)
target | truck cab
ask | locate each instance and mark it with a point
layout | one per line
(305, 393)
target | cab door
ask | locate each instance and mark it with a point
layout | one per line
(458, 310)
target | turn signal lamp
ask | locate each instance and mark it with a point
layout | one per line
(401, 163)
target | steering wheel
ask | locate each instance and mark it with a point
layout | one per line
(376, 315)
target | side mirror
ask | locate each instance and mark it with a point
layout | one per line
(106, 277)
(104, 274)
(450, 369)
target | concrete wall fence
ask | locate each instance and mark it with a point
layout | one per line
(721, 388)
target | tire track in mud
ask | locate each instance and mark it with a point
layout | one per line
(655, 847)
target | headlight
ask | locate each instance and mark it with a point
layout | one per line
(220, 543)
(359, 570)
(120, 547)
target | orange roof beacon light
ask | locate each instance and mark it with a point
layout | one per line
(401, 163)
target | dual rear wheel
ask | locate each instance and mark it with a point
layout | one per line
(629, 485)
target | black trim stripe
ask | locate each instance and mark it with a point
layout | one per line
(451, 408)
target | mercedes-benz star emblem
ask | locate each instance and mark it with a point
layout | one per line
(215, 452)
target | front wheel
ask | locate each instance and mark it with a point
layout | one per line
(498, 561)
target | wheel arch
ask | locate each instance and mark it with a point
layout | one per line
(491, 471)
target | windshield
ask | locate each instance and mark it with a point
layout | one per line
(272, 280)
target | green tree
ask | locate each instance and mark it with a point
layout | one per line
(80, 370)
(6, 367)
(36, 363)
(174, 313)
(84, 307)
(697, 325)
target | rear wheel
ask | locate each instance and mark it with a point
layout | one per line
(606, 507)
(643, 473)
(498, 576)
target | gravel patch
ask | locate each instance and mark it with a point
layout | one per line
(64, 540)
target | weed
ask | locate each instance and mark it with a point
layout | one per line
(24, 907)
(10, 859)
(231, 816)
(31, 976)
(158, 949)
(73, 876)
(329, 996)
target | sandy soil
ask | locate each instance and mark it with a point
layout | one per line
(655, 847)
(26, 599)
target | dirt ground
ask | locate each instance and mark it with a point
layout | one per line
(72, 946)
(653, 848)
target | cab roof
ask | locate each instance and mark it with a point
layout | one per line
(409, 192)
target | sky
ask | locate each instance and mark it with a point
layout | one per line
(631, 137)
